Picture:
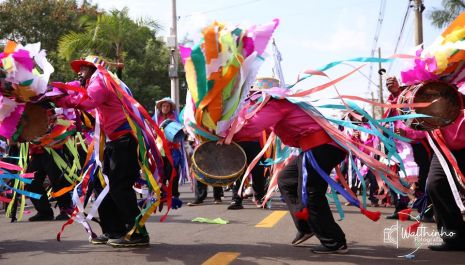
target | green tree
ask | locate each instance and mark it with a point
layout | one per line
(30, 21)
(119, 39)
(451, 9)
(45, 21)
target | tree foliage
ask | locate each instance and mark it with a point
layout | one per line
(44, 21)
(119, 39)
(451, 9)
(68, 31)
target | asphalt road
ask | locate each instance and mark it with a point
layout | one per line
(178, 240)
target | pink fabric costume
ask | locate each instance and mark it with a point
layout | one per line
(405, 149)
(294, 126)
(109, 107)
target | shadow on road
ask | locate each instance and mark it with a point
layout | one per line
(260, 253)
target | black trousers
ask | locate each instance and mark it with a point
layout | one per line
(446, 213)
(258, 179)
(119, 209)
(290, 187)
(373, 186)
(420, 154)
(201, 191)
(423, 160)
(167, 169)
(43, 165)
(320, 218)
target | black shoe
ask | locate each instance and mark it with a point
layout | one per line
(301, 237)
(194, 203)
(41, 217)
(427, 219)
(324, 250)
(136, 240)
(266, 206)
(235, 206)
(101, 239)
(62, 217)
(447, 247)
(393, 216)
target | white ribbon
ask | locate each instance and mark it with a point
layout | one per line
(447, 170)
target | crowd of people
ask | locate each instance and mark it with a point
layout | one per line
(349, 160)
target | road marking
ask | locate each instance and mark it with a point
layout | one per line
(271, 219)
(222, 258)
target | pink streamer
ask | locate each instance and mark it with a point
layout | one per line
(9, 124)
(262, 34)
(22, 57)
(10, 166)
(185, 53)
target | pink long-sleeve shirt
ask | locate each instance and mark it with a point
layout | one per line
(454, 134)
(109, 107)
(285, 119)
(410, 133)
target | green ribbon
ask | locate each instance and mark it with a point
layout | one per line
(218, 220)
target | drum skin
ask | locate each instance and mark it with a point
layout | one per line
(445, 108)
(218, 165)
(34, 122)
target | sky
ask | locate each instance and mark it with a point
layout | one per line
(311, 34)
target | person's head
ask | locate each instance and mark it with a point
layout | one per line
(86, 67)
(85, 73)
(393, 85)
(165, 106)
(356, 117)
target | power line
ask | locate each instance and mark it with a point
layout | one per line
(407, 12)
(382, 9)
(220, 9)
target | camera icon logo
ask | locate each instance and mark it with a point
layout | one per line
(391, 235)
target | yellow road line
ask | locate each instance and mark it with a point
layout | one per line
(272, 219)
(222, 258)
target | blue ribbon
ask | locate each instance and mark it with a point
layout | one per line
(22, 192)
(304, 180)
(335, 63)
(15, 176)
(337, 202)
(362, 180)
(308, 156)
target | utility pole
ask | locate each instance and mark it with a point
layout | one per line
(373, 106)
(172, 42)
(381, 71)
(418, 7)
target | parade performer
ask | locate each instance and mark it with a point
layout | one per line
(252, 149)
(26, 117)
(440, 187)
(209, 116)
(444, 61)
(130, 145)
(165, 111)
(220, 71)
(297, 129)
(414, 154)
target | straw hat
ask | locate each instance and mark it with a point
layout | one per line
(264, 83)
(90, 60)
(163, 100)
